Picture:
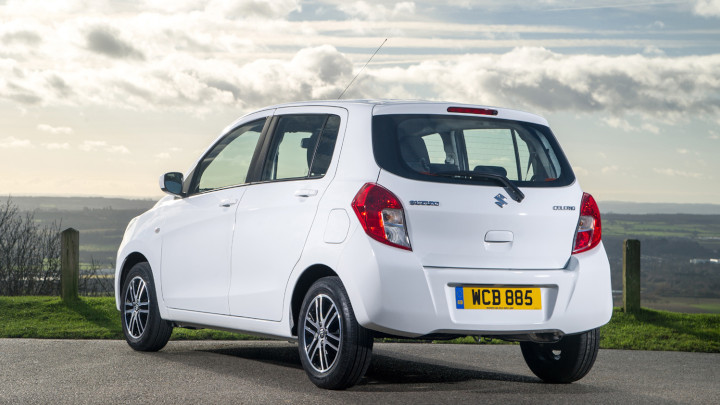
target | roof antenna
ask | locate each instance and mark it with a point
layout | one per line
(361, 70)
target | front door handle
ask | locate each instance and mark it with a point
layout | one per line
(228, 203)
(306, 193)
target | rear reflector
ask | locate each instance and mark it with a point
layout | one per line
(466, 110)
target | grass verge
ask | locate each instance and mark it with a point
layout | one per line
(662, 330)
(87, 318)
(97, 318)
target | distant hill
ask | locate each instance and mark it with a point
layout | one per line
(101, 221)
(619, 207)
(78, 203)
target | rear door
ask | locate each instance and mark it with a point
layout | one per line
(458, 218)
(275, 214)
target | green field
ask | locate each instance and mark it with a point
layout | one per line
(699, 227)
(87, 318)
(97, 318)
(686, 305)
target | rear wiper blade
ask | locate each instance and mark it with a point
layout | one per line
(511, 189)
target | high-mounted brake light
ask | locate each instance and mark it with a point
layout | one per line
(589, 228)
(467, 110)
(381, 215)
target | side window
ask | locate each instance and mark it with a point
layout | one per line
(524, 155)
(228, 161)
(299, 143)
(325, 147)
(435, 148)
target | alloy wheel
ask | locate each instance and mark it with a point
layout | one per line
(323, 333)
(137, 307)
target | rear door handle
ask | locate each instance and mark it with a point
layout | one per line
(305, 193)
(228, 203)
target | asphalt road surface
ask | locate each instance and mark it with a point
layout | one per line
(109, 372)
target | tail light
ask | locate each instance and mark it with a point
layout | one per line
(589, 228)
(381, 215)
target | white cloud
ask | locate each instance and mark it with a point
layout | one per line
(227, 8)
(55, 130)
(707, 8)
(14, 143)
(118, 149)
(195, 57)
(162, 155)
(374, 11)
(622, 124)
(527, 78)
(683, 151)
(56, 146)
(609, 169)
(647, 127)
(55, 6)
(652, 50)
(247, 9)
(95, 146)
(580, 171)
(678, 173)
(619, 123)
(541, 80)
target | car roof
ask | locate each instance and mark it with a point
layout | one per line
(388, 106)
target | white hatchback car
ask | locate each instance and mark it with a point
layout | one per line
(331, 223)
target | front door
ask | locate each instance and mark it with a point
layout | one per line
(197, 230)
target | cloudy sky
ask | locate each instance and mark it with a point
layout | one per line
(101, 97)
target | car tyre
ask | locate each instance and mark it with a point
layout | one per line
(142, 325)
(335, 350)
(565, 361)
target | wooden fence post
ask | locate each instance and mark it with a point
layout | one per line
(631, 276)
(69, 264)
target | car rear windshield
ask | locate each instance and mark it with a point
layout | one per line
(469, 150)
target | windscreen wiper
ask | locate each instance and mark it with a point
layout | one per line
(511, 189)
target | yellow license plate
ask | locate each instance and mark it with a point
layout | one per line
(497, 298)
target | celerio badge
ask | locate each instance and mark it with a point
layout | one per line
(500, 200)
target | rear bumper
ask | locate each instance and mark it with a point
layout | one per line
(392, 293)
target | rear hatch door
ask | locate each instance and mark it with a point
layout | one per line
(445, 169)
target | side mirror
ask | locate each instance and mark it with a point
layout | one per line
(172, 183)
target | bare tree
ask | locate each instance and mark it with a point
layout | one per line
(95, 282)
(29, 254)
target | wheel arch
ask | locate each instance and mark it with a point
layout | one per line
(131, 260)
(306, 279)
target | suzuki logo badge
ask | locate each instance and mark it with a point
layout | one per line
(500, 200)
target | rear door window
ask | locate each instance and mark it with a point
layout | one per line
(448, 149)
(301, 146)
